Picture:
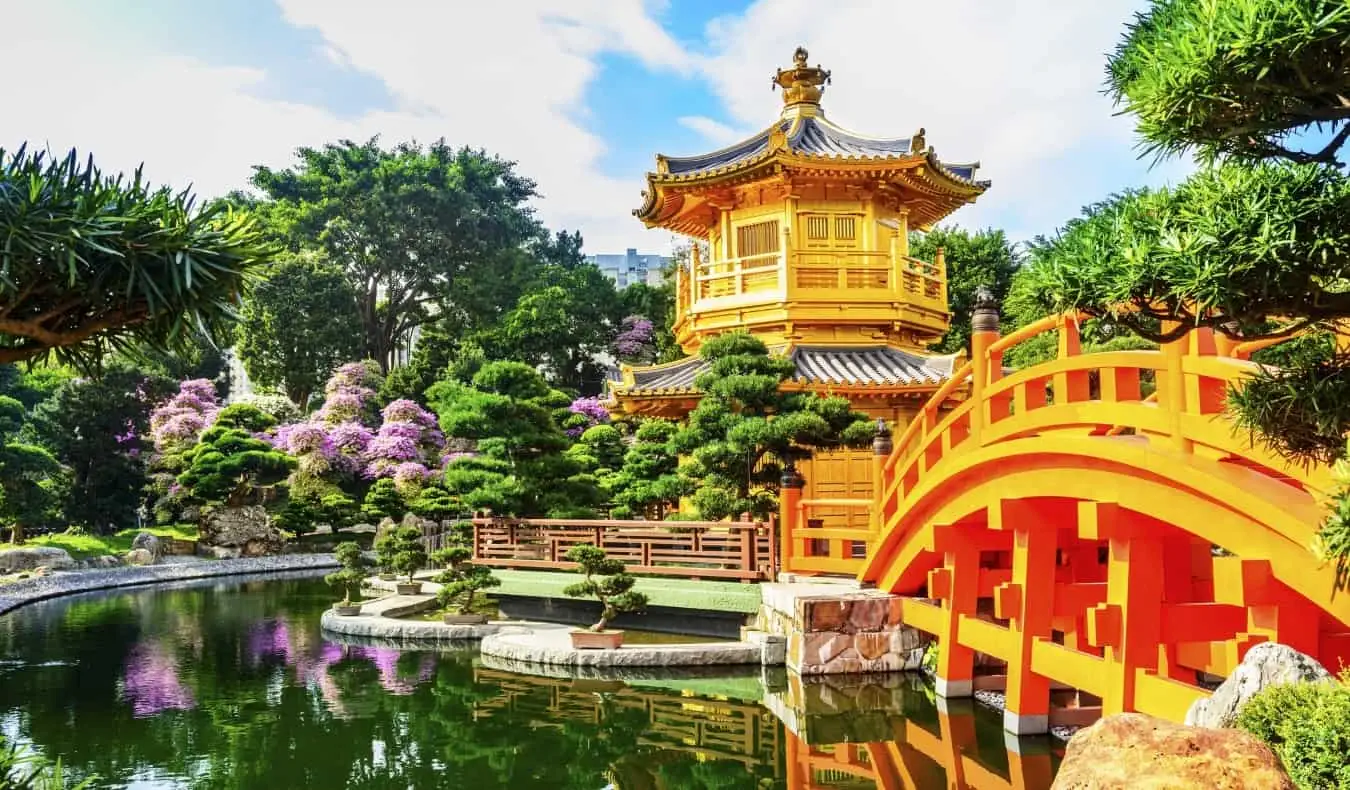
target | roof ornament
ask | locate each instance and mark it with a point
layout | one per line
(801, 84)
(984, 316)
(917, 142)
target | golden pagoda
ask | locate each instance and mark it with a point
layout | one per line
(807, 226)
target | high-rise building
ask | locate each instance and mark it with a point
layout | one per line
(630, 267)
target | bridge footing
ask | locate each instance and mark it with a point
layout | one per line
(832, 629)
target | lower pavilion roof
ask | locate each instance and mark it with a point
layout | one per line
(879, 366)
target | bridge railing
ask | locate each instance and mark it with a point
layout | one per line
(742, 550)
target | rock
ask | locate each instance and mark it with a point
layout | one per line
(386, 524)
(149, 542)
(247, 530)
(1267, 664)
(140, 557)
(27, 558)
(1131, 750)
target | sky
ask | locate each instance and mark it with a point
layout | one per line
(582, 94)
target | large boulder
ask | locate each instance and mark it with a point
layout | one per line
(1131, 750)
(149, 542)
(140, 557)
(27, 558)
(239, 532)
(1267, 664)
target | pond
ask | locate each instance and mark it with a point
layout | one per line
(232, 685)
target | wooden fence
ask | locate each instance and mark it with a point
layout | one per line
(744, 550)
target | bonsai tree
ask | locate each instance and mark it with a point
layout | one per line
(461, 580)
(352, 573)
(384, 501)
(401, 551)
(606, 581)
(230, 466)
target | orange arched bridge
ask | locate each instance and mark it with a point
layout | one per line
(1093, 523)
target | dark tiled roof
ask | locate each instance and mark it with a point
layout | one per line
(880, 365)
(810, 136)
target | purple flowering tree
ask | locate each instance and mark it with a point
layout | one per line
(636, 341)
(175, 426)
(407, 447)
(584, 413)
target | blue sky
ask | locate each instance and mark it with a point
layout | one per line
(583, 93)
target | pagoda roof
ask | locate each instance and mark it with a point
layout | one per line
(812, 137)
(858, 366)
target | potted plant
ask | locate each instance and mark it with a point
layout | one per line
(608, 582)
(460, 582)
(406, 555)
(348, 578)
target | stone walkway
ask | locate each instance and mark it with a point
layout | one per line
(553, 646)
(59, 583)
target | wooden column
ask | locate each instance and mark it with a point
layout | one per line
(1027, 602)
(881, 451)
(789, 510)
(957, 585)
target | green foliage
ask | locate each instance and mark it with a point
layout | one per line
(1333, 540)
(436, 503)
(296, 327)
(1302, 412)
(33, 385)
(98, 429)
(606, 581)
(312, 501)
(521, 467)
(599, 450)
(984, 258)
(745, 429)
(92, 262)
(279, 407)
(27, 771)
(1308, 726)
(1235, 78)
(30, 477)
(400, 550)
(420, 234)
(352, 573)
(384, 501)
(648, 483)
(245, 417)
(228, 466)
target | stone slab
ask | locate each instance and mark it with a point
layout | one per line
(399, 605)
(407, 633)
(553, 646)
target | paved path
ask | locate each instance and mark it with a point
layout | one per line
(553, 646)
(17, 594)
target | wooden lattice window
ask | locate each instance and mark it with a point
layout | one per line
(817, 227)
(760, 238)
(845, 229)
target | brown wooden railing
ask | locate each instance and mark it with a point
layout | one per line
(744, 550)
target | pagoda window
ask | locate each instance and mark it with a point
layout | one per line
(760, 238)
(831, 230)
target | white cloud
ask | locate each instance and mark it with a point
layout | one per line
(1015, 84)
(717, 132)
(507, 76)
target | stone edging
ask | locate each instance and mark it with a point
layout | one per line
(552, 646)
(17, 594)
(388, 629)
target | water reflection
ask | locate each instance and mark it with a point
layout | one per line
(228, 686)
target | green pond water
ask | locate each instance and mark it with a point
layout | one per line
(231, 684)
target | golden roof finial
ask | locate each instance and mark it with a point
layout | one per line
(801, 84)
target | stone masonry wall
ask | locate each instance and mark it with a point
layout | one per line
(840, 632)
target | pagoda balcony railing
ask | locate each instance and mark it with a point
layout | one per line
(828, 275)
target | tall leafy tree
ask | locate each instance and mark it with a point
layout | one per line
(29, 476)
(421, 233)
(99, 428)
(296, 327)
(983, 258)
(745, 428)
(91, 262)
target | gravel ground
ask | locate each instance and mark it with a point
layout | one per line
(59, 583)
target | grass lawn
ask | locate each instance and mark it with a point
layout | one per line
(83, 547)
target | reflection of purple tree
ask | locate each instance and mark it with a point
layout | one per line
(268, 638)
(150, 681)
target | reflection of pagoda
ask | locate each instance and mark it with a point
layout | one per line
(808, 227)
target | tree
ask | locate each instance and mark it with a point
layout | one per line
(99, 429)
(352, 573)
(607, 581)
(648, 483)
(984, 258)
(230, 467)
(462, 579)
(29, 475)
(521, 466)
(1236, 79)
(401, 551)
(421, 234)
(745, 428)
(93, 262)
(296, 327)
